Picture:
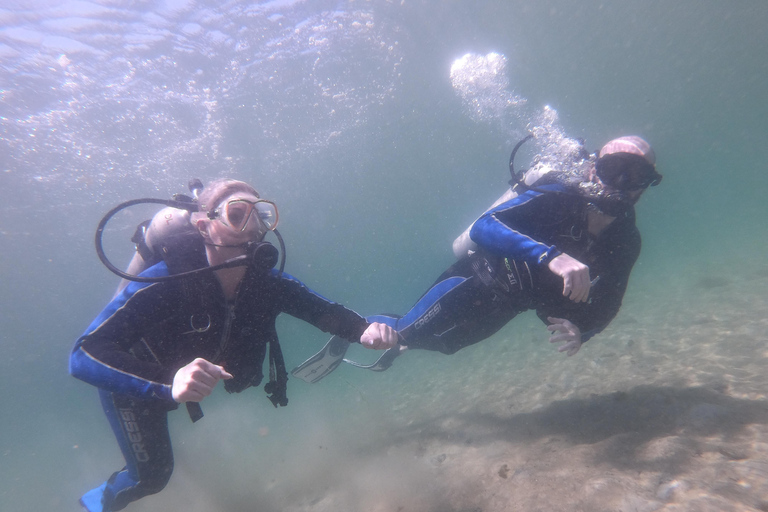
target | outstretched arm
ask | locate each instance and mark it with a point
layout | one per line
(298, 300)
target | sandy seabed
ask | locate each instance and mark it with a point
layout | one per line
(664, 411)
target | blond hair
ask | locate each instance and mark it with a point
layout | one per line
(217, 190)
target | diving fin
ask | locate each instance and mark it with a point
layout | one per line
(324, 362)
(382, 363)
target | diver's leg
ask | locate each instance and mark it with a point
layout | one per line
(141, 429)
(457, 311)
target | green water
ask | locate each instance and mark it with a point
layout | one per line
(352, 126)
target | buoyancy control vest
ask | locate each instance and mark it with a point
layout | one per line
(170, 237)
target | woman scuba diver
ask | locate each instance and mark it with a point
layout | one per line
(169, 339)
(562, 242)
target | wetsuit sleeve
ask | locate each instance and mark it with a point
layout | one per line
(298, 300)
(509, 230)
(615, 262)
(103, 356)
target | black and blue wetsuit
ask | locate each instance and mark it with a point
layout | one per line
(133, 349)
(509, 273)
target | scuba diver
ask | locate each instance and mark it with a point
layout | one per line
(562, 241)
(203, 312)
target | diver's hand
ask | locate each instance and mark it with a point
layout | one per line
(568, 333)
(196, 381)
(575, 276)
(379, 336)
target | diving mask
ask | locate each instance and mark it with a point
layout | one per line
(237, 212)
(626, 172)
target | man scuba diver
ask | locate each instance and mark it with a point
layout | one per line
(562, 242)
(172, 333)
